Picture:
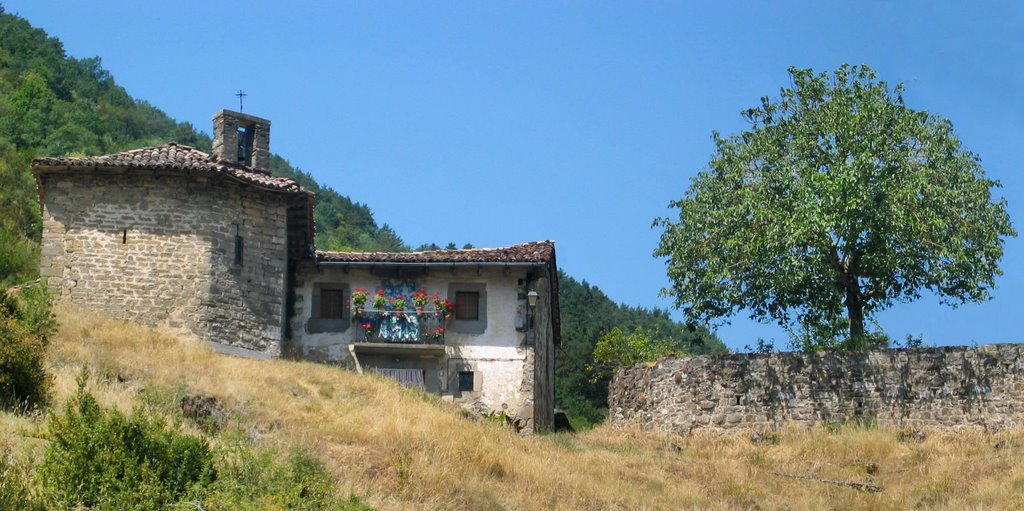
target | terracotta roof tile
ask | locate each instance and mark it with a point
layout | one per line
(172, 156)
(533, 252)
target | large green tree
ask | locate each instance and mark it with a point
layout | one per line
(836, 202)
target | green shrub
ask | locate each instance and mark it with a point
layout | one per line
(26, 321)
(260, 479)
(110, 461)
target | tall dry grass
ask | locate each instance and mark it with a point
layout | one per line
(402, 449)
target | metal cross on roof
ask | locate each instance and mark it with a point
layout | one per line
(241, 94)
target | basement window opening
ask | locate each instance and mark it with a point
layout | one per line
(465, 381)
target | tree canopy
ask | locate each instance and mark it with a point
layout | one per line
(616, 349)
(837, 202)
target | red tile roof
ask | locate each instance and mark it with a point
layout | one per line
(533, 252)
(171, 156)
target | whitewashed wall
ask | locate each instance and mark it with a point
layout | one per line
(499, 357)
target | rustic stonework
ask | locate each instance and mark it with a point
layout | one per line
(158, 249)
(935, 388)
(228, 126)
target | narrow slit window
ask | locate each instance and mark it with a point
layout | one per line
(245, 141)
(239, 246)
(124, 237)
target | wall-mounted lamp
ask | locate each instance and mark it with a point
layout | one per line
(531, 300)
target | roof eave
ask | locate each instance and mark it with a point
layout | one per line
(43, 168)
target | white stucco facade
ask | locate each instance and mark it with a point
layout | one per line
(499, 355)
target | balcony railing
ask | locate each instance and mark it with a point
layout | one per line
(401, 327)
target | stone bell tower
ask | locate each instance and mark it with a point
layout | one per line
(242, 138)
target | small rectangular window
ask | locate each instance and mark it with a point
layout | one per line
(467, 305)
(332, 303)
(465, 381)
(329, 310)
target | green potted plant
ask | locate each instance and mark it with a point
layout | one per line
(398, 304)
(442, 307)
(359, 297)
(419, 300)
(380, 301)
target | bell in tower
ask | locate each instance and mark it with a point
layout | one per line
(242, 138)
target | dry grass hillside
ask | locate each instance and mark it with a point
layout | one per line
(401, 449)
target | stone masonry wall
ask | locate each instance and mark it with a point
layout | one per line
(936, 388)
(158, 249)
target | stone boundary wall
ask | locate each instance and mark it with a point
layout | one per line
(927, 388)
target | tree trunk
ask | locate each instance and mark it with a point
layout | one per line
(855, 311)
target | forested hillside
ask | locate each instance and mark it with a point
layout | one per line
(587, 314)
(52, 104)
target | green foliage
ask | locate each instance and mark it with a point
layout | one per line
(16, 487)
(587, 315)
(52, 104)
(251, 479)
(761, 346)
(836, 203)
(910, 342)
(341, 224)
(103, 459)
(106, 460)
(615, 349)
(26, 322)
(19, 219)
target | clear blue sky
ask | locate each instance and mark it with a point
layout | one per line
(496, 123)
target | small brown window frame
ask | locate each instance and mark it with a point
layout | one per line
(317, 324)
(468, 326)
(332, 304)
(467, 305)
